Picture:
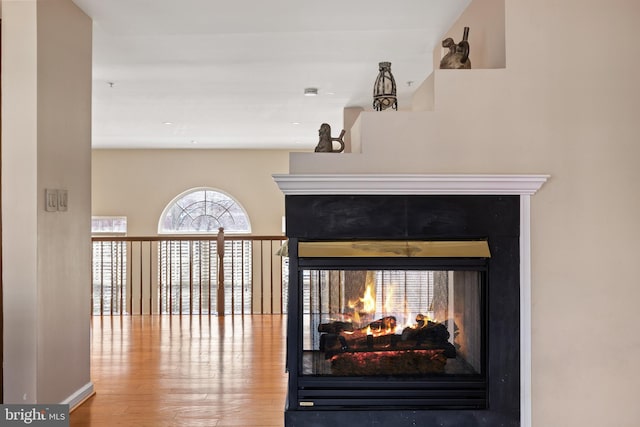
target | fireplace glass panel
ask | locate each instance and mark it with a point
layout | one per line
(400, 323)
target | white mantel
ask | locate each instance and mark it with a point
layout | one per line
(316, 184)
(418, 184)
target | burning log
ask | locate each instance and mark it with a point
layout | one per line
(339, 336)
(380, 335)
(335, 327)
(384, 325)
(333, 343)
(429, 331)
(429, 334)
(387, 324)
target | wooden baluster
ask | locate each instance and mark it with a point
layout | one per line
(220, 249)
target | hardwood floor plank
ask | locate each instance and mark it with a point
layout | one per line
(172, 371)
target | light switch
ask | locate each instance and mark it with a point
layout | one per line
(63, 198)
(50, 200)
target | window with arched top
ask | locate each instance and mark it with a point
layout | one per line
(204, 210)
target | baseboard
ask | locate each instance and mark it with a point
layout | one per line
(79, 397)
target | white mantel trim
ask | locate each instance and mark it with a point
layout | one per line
(525, 312)
(522, 185)
(357, 184)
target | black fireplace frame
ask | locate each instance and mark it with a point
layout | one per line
(414, 217)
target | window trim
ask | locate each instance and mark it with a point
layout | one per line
(173, 201)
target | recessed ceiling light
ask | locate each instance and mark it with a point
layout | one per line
(167, 123)
(295, 123)
(311, 91)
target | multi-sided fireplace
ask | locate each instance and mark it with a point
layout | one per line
(403, 310)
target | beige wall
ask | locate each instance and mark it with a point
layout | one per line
(140, 183)
(46, 134)
(565, 106)
(19, 224)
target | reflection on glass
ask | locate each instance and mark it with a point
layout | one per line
(391, 322)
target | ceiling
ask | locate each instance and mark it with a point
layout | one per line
(232, 74)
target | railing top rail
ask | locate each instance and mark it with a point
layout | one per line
(190, 237)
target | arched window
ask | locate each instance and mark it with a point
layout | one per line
(204, 210)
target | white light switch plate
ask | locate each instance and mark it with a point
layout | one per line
(50, 200)
(63, 199)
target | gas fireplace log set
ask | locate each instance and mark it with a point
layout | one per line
(420, 349)
(382, 332)
(403, 310)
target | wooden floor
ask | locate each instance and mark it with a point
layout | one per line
(160, 371)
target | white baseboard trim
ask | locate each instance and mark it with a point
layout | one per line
(79, 396)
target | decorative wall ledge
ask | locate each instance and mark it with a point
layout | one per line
(352, 184)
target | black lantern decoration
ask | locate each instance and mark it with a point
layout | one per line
(384, 90)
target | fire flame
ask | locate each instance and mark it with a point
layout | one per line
(365, 304)
(368, 300)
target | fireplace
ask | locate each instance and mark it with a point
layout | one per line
(403, 310)
(394, 311)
